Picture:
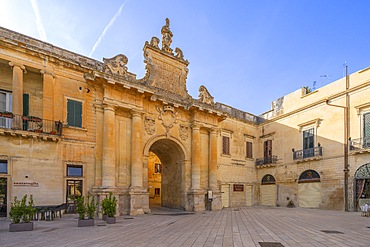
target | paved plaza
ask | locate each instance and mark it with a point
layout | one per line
(249, 226)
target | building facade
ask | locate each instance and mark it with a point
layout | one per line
(71, 126)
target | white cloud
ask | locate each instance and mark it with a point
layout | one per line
(97, 43)
(39, 24)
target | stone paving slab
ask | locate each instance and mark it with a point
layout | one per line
(247, 226)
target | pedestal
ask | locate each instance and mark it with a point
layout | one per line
(139, 201)
(197, 200)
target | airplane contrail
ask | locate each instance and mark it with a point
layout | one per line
(39, 25)
(111, 22)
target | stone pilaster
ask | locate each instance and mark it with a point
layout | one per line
(139, 196)
(216, 203)
(48, 95)
(109, 166)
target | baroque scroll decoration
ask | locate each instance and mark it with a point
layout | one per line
(149, 125)
(184, 132)
(205, 96)
(116, 65)
(168, 116)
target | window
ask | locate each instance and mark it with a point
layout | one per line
(157, 191)
(74, 113)
(267, 150)
(74, 171)
(366, 130)
(3, 166)
(157, 168)
(5, 106)
(249, 150)
(308, 138)
(226, 145)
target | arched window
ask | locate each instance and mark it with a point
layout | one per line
(309, 176)
(268, 179)
(362, 178)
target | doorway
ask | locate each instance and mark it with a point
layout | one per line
(74, 189)
(3, 197)
(166, 175)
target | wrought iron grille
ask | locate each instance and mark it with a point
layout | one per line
(307, 153)
(9, 120)
(266, 160)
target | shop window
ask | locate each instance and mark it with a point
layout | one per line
(74, 113)
(74, 171)
(3, 166)
(226, 145)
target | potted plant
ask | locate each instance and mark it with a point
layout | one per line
(21, 214)
(104, 208)
(86, 211)
(110, 208)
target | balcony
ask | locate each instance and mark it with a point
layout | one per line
(359, 144)
(266, 161)
(11, 121)
(308, 154)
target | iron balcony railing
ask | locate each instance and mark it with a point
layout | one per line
(266, 160)
(9, 120)
(359, 143)
(307, 153)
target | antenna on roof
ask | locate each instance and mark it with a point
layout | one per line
(314, 86)
(344, 68)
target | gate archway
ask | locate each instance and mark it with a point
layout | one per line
(172, 188)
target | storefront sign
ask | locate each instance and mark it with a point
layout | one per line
(26, 184)
(238, 187)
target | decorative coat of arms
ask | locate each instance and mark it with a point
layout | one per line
(184, 132)
(149, 125)
(168, 116)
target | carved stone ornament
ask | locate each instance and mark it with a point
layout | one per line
(184, 132)
(179, 53)
(168, 116)
(149, 125)
(205, 96)
(166, 37)
(154, 42)
(116, 65)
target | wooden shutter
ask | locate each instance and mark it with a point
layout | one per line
(225, 145)
(74, 113)
(249, 150)
(26, 104)
(268, 149)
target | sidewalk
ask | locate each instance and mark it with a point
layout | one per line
(250, 226)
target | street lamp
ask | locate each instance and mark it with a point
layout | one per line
(346, 139)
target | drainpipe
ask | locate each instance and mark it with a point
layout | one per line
(346, 138)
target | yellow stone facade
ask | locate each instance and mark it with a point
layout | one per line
(81, 126)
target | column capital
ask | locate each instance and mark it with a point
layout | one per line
(195, 126)
(109, 107)
(214, 131)
(136, 113)
(21, 66)
(47, 72)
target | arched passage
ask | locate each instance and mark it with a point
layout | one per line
(172, 171)
(309, 189)
(362, 185)
(268, 190)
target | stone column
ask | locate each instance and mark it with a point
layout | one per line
(17, 91)
(48, 95)
(136, 151)
(109, 162)
(196, 194)
(195, 158)
(139, 196)
(216, 203)
(212, 180)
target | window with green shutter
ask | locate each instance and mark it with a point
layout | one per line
(74, 113)
(366, 134)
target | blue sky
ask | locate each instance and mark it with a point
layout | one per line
(247, 53)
